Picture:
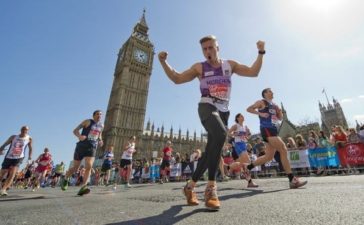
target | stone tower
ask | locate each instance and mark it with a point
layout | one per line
(331, 115)
(128, 98)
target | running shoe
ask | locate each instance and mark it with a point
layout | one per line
(3, 193)
(190, 195)
(211, 200)
(225, 179)
(296, 183)
(83, 191)
(127, 185)
(64, 184)
(252, 185)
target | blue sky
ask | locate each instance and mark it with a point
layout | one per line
(57, 60)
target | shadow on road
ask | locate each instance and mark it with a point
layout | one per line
(169, 216)
(251, 192)
(19, 198)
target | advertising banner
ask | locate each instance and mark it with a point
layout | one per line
(298, 158)
(320, 157)
(176, 170)
(352, 154)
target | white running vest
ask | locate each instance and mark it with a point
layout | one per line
(128, 154)
(241, 133)
(18, 147)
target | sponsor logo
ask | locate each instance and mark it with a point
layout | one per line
(209, 73)
(294, 156)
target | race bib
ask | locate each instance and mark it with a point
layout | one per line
(17, 149)
(94, 133)
(219, 91)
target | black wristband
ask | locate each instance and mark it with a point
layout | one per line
(261, 52)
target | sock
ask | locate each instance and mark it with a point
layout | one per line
(251, 166)
(290, 177)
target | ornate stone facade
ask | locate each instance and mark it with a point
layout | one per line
(128, 98)
(288, 129)
(155, 140)
(332, 114)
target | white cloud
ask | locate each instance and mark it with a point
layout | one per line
(361, 96)
(346, 100)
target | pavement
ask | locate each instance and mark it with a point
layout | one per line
(325, 200)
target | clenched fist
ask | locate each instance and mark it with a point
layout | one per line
(260, 45)
(162, 56)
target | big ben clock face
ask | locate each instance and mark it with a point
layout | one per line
(140, 56)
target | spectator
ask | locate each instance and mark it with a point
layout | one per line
(339, 137)
(323, 140)
(259, 147)
(196, 155)
(178, 157)
(353, 136)
(301, 145)
(300, 142)
(361, 134)
(291, 144)
(313, 140)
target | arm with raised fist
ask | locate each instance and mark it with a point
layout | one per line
(176, 77)
(254, 69)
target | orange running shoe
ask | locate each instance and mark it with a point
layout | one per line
(211, 200)
(190, 195)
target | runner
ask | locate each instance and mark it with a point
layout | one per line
(215, 86)
(126, 160)
(107, 164)
(165, 168)
(29, 168)
(58, 172)
(14, 157)
(89, 139)
(43, 162)
(241, 135)
(270, 115)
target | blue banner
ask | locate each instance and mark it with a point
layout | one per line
(154, 171)
(320, 157)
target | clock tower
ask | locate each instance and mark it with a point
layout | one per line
(128, 98)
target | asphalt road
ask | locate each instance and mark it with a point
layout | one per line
(325, 200)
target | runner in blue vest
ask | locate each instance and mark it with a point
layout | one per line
(89, 139)
(269, 116)
(214, 75)
(107, 164)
